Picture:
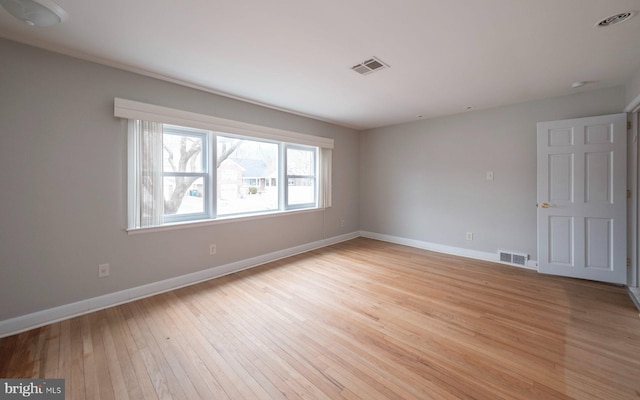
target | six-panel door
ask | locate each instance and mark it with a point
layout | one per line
(582, 198)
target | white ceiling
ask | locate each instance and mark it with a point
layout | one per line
(293, 55)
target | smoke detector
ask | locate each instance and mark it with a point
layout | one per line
(616, 19)
(371, 65)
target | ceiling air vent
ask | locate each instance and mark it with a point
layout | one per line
(615, 19)
(369, 66)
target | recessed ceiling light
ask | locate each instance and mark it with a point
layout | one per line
(35, 12)
(616, 19)
(578, 84)
(469, 108)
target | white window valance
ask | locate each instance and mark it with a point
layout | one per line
(149, 112)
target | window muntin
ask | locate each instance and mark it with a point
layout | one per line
(301, 175)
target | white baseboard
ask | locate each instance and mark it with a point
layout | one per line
(40, 318)
(456, 251)
(634, 293)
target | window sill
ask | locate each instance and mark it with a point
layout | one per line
(217, 221)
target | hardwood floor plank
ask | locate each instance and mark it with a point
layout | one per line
(359, 336)
(354, 334)
(189, 359)
(247, 382)
(117, 367)
(118, 331)
(142, 353)
(40, 352)
(104, 388)
(199, 338)
(53, 351)
(64, 358)
(76, 363)
(244, 348)
(90, 372)
(310, 349)
(165, 362)
(360, 320)
(21, 362)
(280, 361)
(350, 342)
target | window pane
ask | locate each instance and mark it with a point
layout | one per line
(300, 162)
(247, 176)
(182, 153)
(183, 195)
(301, 191)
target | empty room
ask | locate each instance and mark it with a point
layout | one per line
(416, 199)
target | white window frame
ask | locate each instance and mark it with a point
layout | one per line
(310, 149)
(136, 110)
(205, 136)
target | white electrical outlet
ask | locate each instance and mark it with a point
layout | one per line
(469, 235)
(103, 270)
(489, 175)
(212, 249)
(342, 223)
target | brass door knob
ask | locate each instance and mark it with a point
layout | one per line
(545, 205)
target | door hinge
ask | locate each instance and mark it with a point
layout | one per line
(628, 262)
(628, 194)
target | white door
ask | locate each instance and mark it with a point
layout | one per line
(582, 198)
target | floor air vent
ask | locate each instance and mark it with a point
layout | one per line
(514, 258)
(369, 66)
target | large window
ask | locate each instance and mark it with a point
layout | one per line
(179, 173)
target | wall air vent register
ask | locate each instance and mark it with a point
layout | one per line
(514, 258)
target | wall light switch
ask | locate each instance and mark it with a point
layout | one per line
(489, 175)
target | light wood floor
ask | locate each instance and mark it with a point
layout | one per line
(359, 320)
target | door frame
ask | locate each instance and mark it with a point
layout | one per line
(633, 242)
(633, 117)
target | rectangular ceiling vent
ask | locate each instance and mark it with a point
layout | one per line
(514, 258)
(371, 65)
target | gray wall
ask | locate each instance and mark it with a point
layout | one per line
(63, 184)
(426, 180)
